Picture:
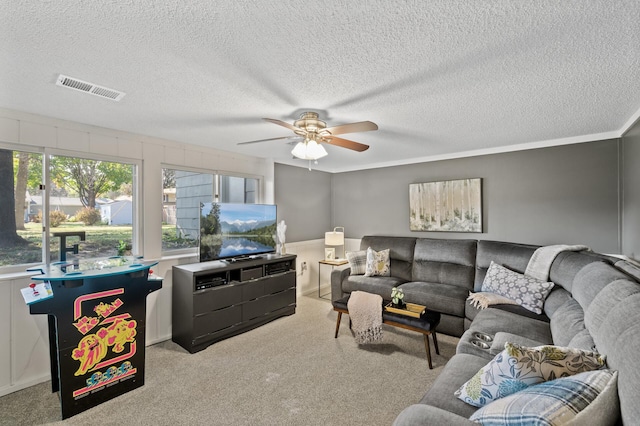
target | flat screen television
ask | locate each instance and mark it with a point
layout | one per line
(230, 230)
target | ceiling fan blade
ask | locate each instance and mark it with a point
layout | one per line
(284, 124)
(270, 139)
(362, 126)
(345, 143)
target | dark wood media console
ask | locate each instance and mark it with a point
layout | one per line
(219, 299)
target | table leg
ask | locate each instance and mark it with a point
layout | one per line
(426, 345)
(435, 342)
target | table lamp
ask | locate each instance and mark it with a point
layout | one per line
(335, 238)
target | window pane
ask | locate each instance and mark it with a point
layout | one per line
(90, 204)
(20, 232)
(182, 193)
(234, 189)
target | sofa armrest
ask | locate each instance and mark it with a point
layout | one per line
(337, 276)
(421, 414)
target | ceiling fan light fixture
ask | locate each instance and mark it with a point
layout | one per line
(309, 150)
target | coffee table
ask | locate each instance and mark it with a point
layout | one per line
(425, 324)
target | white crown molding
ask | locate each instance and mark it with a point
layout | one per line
(488, 151)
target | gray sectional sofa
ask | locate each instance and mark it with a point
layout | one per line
(594, 305)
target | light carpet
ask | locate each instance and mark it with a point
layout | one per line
(288, 372)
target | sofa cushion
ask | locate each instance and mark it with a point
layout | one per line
(457, 371)
(471, 312)
(567, 322)
(375, 285)
(556, 298)
(606, 301)
(529, 292)
(501, 338)
(400, 252)
(583, 340)
(518, 367)
(377, 263)
(567, 264)
(510, 255)
(586, 398)
(445, 261)
(618, 336)
(493, 320)
(357, 261)
(444, 298)
(592, 279)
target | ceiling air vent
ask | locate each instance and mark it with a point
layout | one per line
(86, 87)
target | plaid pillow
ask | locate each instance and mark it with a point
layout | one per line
(357, 261)
(578, 399)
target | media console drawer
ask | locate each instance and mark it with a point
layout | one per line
(216, 298)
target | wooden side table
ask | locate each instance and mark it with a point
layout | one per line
(333, 264)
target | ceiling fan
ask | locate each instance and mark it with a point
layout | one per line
(315, 132)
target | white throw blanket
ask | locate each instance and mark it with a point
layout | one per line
(365, 310)
(541, 260)
(483, 300)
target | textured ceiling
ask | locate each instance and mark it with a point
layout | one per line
(440, 78)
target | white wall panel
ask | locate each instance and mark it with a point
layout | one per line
(174, 155)
(5, 334)
(38, 134)
(129, 148)
(29, 341)
(73, 140)
(103, 144)
(9, 130)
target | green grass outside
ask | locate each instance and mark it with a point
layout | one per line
(101, 241)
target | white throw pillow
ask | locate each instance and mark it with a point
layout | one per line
(378, 263)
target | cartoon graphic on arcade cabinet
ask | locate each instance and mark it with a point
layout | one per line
(90, 351)
(121, 332)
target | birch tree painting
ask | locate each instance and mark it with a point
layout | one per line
(453, 206)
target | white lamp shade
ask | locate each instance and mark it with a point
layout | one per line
(309, 150)
(334, 238)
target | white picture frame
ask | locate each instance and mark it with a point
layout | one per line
(330, 253)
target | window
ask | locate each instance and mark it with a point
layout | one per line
(86, 202)
(91, 203)
(20, 196)
(184, 191)
(234, 189)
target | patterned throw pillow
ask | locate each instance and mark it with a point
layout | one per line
(529, 292)
(378, 263)
(518, 367)
(357, 261)
(586, 398)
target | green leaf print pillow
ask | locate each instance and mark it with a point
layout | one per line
(517, 367)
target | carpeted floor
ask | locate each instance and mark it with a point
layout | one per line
(289, 372)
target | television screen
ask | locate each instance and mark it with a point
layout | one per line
(236, 230)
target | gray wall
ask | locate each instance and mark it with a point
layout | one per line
(560, 195)
(631, 192)
(304, 201)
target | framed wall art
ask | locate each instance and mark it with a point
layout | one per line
(446, 206)
(330, 253)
